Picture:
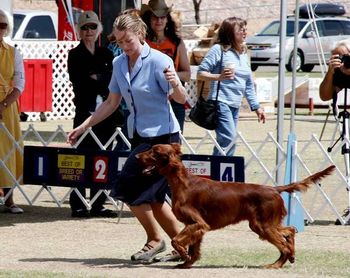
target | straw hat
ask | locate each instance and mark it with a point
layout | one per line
(157, 7)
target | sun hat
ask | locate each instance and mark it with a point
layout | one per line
(157, 7)
(88, 17)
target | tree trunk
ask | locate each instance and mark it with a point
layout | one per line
(196, 4)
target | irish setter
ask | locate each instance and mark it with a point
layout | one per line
(204, 205)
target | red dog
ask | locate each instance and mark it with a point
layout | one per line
(204, 205)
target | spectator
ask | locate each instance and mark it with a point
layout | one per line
(228, 62)
(144, 78)
(336, 79)
(11, 87)
(90, 69)
(328, 89)
(163, 34)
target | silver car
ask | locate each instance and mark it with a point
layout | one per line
(264, 46)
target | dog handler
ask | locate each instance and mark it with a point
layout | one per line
(145, 78)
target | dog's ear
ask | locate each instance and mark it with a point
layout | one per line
(177, 148)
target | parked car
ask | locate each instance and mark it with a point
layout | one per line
(34, 25)
(264, 46)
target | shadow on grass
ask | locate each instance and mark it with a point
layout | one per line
(124, 263)
(39, 214)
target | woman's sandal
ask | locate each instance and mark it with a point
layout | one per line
(148, 252)
(173, 256)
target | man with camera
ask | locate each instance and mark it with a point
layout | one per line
(338, 74)
(336, 79)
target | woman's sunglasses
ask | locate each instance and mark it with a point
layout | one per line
(87, 27)
(3, 25)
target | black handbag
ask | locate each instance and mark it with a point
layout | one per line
(204, 113)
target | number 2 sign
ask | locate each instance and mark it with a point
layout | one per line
(100, 169)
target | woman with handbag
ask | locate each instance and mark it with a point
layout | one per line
(227, 66)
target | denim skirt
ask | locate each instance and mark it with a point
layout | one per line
(132, 186)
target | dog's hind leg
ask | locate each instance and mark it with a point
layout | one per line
(274, 236)
(289, 234)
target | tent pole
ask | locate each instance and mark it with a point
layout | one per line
(281, 88)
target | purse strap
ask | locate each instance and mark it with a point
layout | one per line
(218, 87)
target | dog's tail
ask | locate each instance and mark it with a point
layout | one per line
(305, 184)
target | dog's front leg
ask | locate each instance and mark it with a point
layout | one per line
(191, 236)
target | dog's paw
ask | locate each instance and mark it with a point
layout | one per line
(291, 259)
(184, 265)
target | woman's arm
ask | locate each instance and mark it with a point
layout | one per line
(102, 112)
(179, 92)
(326, 87)
(184, 70)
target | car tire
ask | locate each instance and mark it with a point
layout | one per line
(307, 68)
(300, 62)
(254, 67)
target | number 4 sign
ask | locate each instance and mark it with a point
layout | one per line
(100, 173)
(227, 172)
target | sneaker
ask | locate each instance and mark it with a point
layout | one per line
(13, 209)
(80, 213)
(103, 213)
(173, 256)
(345, 214)
(148, 253)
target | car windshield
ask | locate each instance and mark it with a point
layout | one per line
(17, 21)
(273, 29)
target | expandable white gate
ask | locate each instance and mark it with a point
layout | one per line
(324, 201)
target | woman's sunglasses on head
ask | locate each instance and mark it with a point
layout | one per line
(88, 26)
(3, 25)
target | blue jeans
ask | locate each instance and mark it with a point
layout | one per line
(226, 130)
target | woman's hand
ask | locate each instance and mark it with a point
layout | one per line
(170, 76)
(75, 134)
(227, 74)
(261, 115)
(333, 63)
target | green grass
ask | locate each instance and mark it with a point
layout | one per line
(313, 262)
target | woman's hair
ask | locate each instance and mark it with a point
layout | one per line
(227, 35)
(3, 15)
(172, 28)
(111, 36)
(343, 44)
(131, 22)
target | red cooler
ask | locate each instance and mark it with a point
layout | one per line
(37, 95)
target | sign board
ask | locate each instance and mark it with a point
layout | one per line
(99, 169)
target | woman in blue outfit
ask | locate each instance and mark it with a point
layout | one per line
(228, 62)
(145, 78)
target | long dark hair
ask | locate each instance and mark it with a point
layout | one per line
(226, 33)
(172, 28)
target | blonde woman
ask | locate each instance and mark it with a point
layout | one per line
(145, 78)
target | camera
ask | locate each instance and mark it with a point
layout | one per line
(345, 59)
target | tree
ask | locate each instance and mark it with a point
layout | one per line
(196, 4)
